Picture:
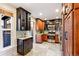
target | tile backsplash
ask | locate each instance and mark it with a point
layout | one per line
(20, 34)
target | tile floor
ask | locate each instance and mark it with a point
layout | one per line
(44, 49)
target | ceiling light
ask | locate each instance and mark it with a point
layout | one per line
(57, 10)
(45, 19)
(41, 14)
(57, 17)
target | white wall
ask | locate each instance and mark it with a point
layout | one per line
(33, 25)
(13, 30)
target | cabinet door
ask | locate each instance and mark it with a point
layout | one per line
(76, 32)
(68, 39)
(28, 21)
(28, 44)
(20, 46)
(23, 20)
(18, 19)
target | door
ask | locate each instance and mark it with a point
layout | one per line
(76, 5)
(76, 32)
(68, 38)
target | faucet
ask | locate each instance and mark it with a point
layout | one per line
(24, 35)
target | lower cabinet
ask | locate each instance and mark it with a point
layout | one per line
(24, 46)
(44, 37)
(38, 39)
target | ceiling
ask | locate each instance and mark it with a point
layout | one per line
(47, 10)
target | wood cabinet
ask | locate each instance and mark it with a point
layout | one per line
(39, 38)
(56, 38)
(40, 25)
(23, 19)
(71, 32)
(44, 37)
(24, 45)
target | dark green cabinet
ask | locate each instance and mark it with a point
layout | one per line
(23, 19)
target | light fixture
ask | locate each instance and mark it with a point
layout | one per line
(45, 19)
(57, 17)
(41, 14)
(57, 10)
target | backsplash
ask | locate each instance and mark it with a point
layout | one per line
(23, 33)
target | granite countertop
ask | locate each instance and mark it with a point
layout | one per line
(25, 38)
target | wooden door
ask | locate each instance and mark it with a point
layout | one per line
(67, 8)
(76, 32)
(76, 5)
(68, 40)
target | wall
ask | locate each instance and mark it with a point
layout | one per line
(33, 28)
(13, 29)
(20, 34)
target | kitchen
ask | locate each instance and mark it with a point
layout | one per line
(48, 30)
(21, 32)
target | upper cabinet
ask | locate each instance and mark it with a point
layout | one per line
(40, 24)
(23, 19)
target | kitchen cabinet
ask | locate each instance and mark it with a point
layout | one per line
(39, 38)
(24, 45)
(40, 25)
(56, 38)
(44, 37)
(23, 19)
(51, 27)
(71, 32)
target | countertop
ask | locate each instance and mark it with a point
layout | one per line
(25, 38)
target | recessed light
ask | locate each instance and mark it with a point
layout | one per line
(41, 14)
(45, 19)
(57, 10)
(57, 17)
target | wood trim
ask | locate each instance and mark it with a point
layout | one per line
(5, 12)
